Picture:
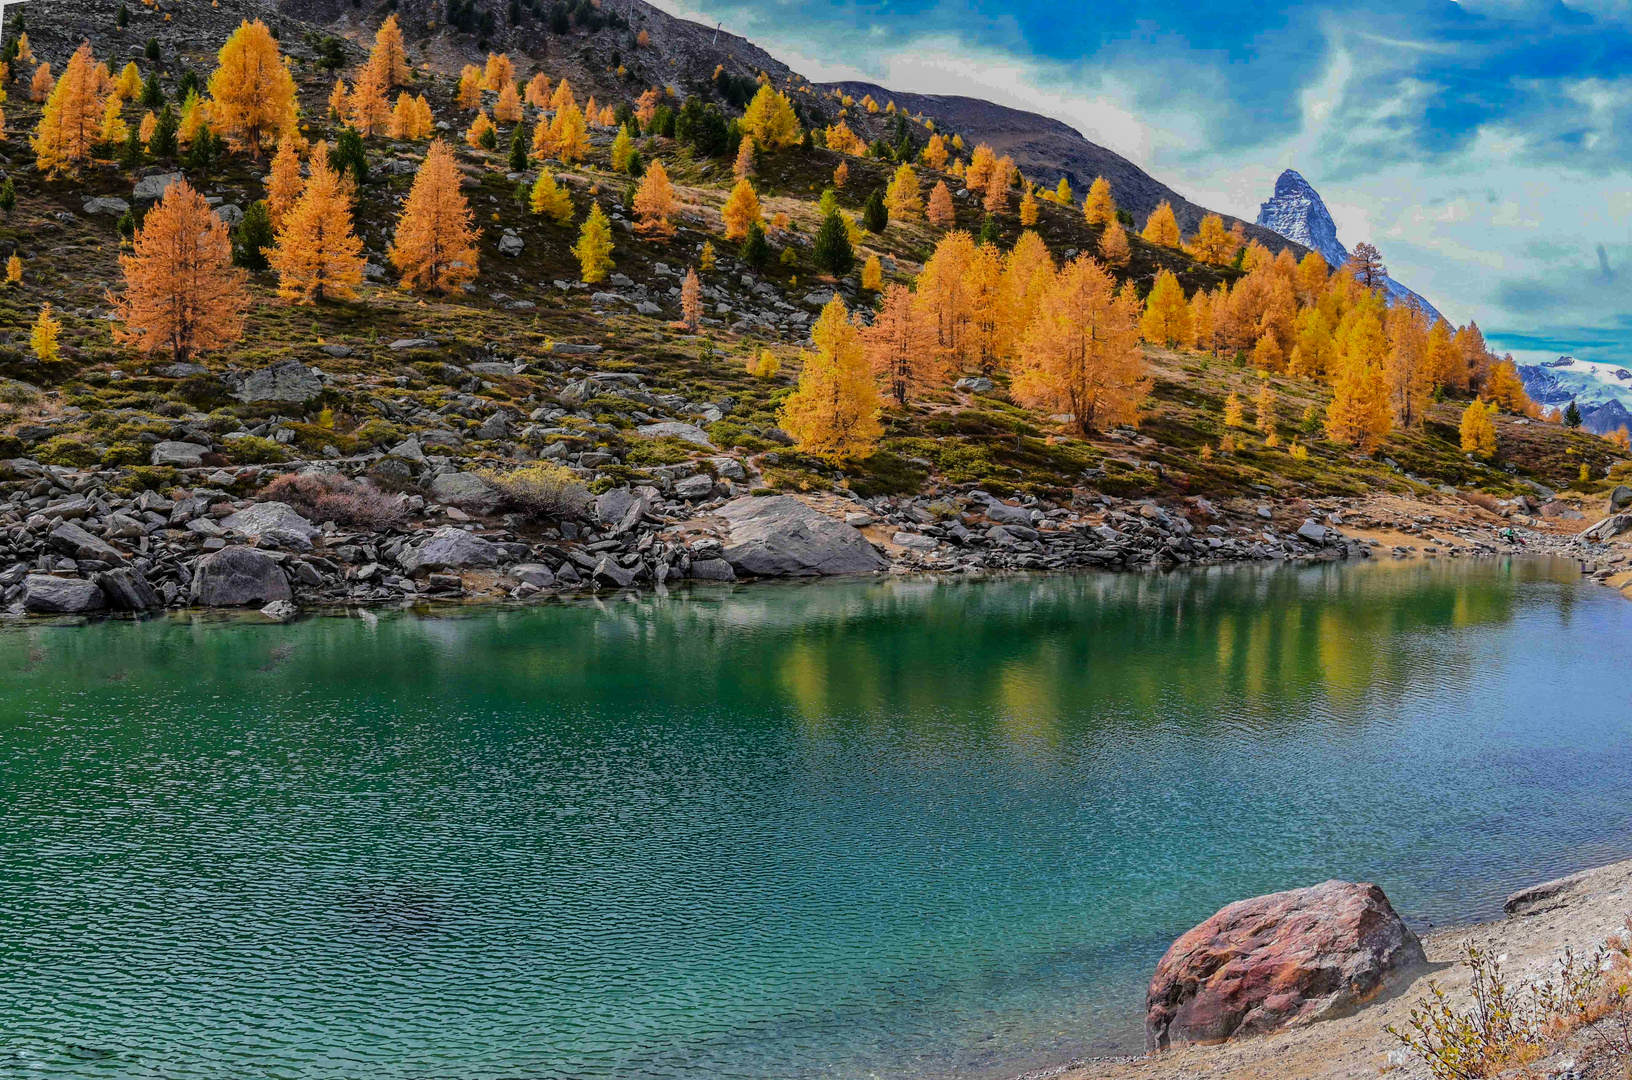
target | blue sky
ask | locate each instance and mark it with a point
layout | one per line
(1483, 146)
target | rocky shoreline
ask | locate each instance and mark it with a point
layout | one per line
(73, 542)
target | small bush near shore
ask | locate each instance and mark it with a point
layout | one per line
(543, 490)
(330, 497)
(1506, 1026)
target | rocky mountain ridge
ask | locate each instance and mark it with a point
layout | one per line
(1047, 149)
(1297, 212)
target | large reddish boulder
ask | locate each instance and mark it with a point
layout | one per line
(1280, 960)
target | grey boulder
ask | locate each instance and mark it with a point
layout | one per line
(712, 570)
(181, 455)
(154, 187)
(675, 429)
(274, 524)
(127, 589)
(779, 536)
(610, 575)
(286, 380)
(451, 549)
(467, 491)
(47, 595)
(236, 576)
(76, 543)
(537, 575)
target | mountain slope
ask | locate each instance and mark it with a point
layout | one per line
(1297, 212)
(1046, 149)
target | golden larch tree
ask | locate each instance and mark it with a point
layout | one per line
(252, 94)
(538, 91)
(1162, 228)
(841, 175)
(1312, 274)
(469, 94)
(982, 292)
(1213, 243)
(499, 72)
(1167, 314)
(941, 213)
(403, 119)
(337, 99)
(872, 274)
(284, 184)
(479, 127)
(901, 196)
(1028, 208)
(1098, 208)
(1405, 370)
(743, 167)
(646, 106)
(940, 293)
(654, 203)
(71, 122)
(550, 199)
(834, 412)
(41, 85)
(935, 154)
(435, 243)
(1506, 389)
(981, 161)
(741, 210)
(841, 139)
(366, 106)
(691, 301)
(1314, 349)
(316, 255)
(14, 269)
(1201, 320)
(130, 82)
(182, 294)
(1028, 273)
(390, 55)
(996, 201)
(42, 338)
(563, 96)
(594, 246)
(114, 129)
(1081, 354)
(1358, 414)
(1442, 354)
(569, 134)
(1113, 245)
(1063, 193)
(507, 109)
(901, 350)
(1265, 406)
(1478, 429)
(770, 120)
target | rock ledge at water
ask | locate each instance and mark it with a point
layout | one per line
(779, 536)
(1282, 960)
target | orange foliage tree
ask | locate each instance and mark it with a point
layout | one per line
(1081, 354)
(317, 256)
(252, 94)
(389, 54)
(435, 244)
(1162, 227)
(834, 412)
(654, 203)
(901, 348)
(71, 123)
(284, 184)
(741, 210)
(182, 294)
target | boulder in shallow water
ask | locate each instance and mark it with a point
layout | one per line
(236, 576)
(47, 595)
(1286, 959)
(779, 536)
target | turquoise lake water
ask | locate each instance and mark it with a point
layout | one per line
(887, 829)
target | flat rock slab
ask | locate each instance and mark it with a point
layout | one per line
(675, 429)
(76, 543)
(47, 595)
(466, 491)
(1282, 960)
(779, 536)
(181, 455)
(273, 523)
(450, 548)
(286, 380)
(237, 576)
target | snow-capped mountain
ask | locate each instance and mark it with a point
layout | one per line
(1296, 212)
(1601, 391)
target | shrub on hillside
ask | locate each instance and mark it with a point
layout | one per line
(543, 490)
(331, 497)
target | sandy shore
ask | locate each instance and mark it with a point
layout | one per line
(1586, 908)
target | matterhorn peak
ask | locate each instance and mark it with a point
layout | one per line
(1297, 213)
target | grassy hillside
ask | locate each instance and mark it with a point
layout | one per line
(101, 399)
